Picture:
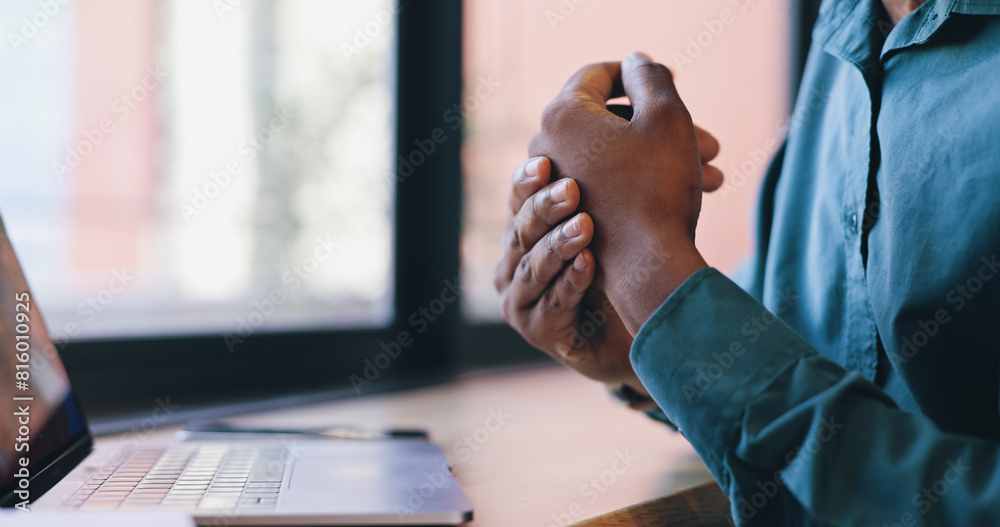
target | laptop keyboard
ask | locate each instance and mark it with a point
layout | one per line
(192, 477)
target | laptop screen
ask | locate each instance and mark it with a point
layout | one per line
(39, 417)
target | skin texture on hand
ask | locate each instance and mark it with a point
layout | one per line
(640, 179)
(546, 275)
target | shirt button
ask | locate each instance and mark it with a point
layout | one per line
(854, 223)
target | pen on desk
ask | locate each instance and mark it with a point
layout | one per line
(198, 430)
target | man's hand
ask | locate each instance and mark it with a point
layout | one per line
(542, 284)
(544, 277)
(640, 179)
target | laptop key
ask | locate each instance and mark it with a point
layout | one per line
(188, 477)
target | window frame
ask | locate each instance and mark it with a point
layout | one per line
(127, 376)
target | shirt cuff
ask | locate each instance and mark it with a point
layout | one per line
(705, 352)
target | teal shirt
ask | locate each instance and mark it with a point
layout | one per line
(853, 377)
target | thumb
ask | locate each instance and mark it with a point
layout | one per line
(648, 85)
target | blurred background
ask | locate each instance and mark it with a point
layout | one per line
(192, 88)
(731, 64)
(235, 138)
(183, 168)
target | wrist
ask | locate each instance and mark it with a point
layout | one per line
(646, 273)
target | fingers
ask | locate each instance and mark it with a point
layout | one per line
(649, 86)
(546, 260)
(708, 149)
(708, 145)
(596, 83)
(711, 178)
(529, 177)
(535, 217)
(560, 304)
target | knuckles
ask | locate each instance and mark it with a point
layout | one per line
(527, 270)
(533, 331)
(498, 280)
(552, 301)
(541, 207)
(554, 244)
(521, 186)
(667, 118)
(517, 241)
(518, 174)
(559, 112)
(509, 311)
(654, 71)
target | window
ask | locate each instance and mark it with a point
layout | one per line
(202, 192)
(174, 167)
(179, 168)
(730, 61)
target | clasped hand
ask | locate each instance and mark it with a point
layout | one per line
(602, 216)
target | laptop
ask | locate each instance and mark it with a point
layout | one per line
(48, 459)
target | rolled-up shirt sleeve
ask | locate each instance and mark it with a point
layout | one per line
(792, 437)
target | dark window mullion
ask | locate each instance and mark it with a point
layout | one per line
(428, 184)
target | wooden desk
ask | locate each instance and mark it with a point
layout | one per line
(543, 448)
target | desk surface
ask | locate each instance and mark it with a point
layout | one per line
(539, 448)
